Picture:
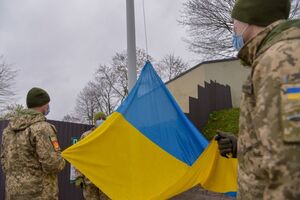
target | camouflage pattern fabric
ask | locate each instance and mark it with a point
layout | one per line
(269, 137)
(30, 158)
(90, 191)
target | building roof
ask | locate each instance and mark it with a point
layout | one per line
(199, 65)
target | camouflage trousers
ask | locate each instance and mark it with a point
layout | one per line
(91, 192)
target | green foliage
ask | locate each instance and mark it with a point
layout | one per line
(225, 120)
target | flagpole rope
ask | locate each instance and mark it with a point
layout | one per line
(145, 30)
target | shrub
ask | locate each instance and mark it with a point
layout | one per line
(225, 120)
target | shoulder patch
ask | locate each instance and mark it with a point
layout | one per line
(293, 93)
(55, 144)
(290, 112)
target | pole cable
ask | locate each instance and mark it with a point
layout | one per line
(145, 30)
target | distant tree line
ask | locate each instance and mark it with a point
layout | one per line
(109, 86)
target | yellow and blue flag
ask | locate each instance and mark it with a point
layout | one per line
(293, 93)
(148, 149)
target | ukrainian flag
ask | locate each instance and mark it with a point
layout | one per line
(148, 149)
(293, 93)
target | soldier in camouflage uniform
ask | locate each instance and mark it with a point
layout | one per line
(268, 147)
(90, 191)
(30, 154)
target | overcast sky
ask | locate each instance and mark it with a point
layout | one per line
(58, 44)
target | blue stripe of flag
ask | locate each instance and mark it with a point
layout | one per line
(293, 90)
(231, 194)
(153, 111)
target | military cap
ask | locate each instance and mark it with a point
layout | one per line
(37, 97)
(99, 115)
(261, 12)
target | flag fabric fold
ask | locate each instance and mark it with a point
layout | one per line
(148, 149)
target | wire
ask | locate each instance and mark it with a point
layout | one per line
(145, 30)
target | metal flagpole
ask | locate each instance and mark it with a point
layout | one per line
(131, 44)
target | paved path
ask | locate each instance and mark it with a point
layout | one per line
(197, 193)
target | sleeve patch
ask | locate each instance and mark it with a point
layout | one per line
(293, 93)
(290, 112)
(55, 143)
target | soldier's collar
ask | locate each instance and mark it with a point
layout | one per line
(249, 52)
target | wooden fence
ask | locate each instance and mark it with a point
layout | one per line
(212, 97)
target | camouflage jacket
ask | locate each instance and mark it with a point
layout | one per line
(269, 136)
(30, 158)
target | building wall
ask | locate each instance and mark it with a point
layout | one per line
(227, 72)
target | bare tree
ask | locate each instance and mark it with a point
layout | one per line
(119, 66)
(105, 94)
(98, 95)
(295, 10)
(11, 111)
(171, 66)
(71, 118)
(85, 105)
(7, 81)
(209, 26)
(108, 87)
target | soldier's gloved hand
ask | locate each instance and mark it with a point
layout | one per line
(79, 182)
(227, 143)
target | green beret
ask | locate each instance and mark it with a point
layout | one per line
(99, 115)
(37, 97)
(261, 12)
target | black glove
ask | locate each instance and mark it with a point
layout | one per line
(227, 143)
